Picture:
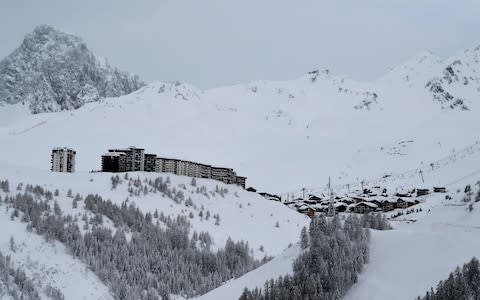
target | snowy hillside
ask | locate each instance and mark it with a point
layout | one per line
(422, 249)
(407, 118)
(241, 213)
(223, 211)
(48, 263)
(256, 133)
(53, 71)
(416, 127)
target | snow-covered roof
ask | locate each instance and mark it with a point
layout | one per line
(114, 154)
(373, 205)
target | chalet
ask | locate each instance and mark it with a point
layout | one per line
(340, 207)
(439, 189)
(363, 207)
(304, 209)
(301, 208)
(270, 196)
(400, 203)
(358, 199)
(411, 202)
(388, 205)
(314, 198)
(375, 201)
(403, 195)
(422, 192)
(320, 207)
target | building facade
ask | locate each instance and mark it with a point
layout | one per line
(241, 181)
(114, 162)
(150, 162)
(226, 175)
(63, 160)
(135, 159)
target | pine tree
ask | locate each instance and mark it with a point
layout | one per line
(304, 238)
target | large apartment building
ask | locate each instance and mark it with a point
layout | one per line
(63, 160)
(150, 162)
(114, 162)
(135, 159)
(194, 169)
(225, 175)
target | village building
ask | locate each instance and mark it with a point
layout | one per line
(388, 205)
(363, 207)
(439, 190)
(63, 160)
(314, 198)
(340, 206)
(401, 203)
(270, 196)
(422, 192)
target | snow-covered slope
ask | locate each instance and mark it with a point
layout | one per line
(422, 249)
(48, 263)
(53, 71)
(304, 128)
(280, 265)
(243, 215)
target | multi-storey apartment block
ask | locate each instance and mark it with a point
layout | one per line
(225, 175)
(150, 162)
(241, 181)
(137, 160)
(114, 162)
(63, 160)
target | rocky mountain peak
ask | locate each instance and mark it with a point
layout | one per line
(53, 71)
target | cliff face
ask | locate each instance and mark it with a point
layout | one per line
(53, 71)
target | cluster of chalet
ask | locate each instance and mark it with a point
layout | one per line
(135, 159)
(63, 160)
(358, 202)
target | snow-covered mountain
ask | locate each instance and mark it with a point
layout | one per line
(267, 226)
(283, 136)
(452, 82)
(53, 71)
(316, 126)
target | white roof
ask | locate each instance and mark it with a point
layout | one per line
(373, 205)
(114, 154)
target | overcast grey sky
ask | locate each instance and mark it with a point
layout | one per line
(211, 43)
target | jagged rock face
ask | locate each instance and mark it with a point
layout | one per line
(53, 71)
